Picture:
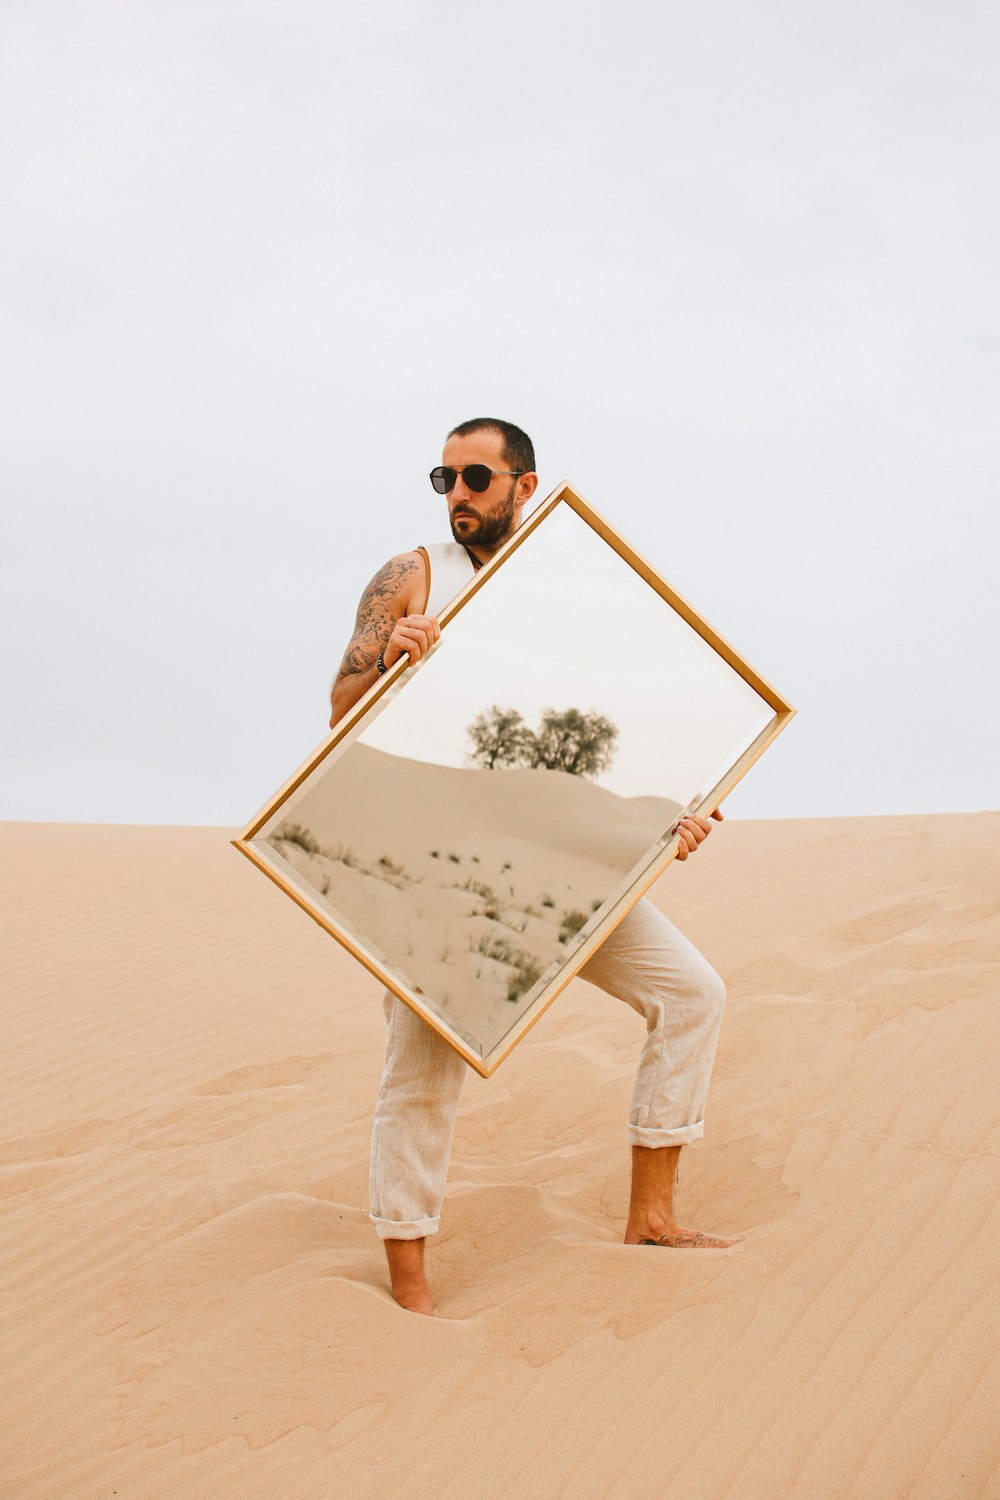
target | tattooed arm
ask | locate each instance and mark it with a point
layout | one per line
(384, 624)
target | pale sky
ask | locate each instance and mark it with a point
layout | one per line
(732, 266)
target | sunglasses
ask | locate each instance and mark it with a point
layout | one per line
(477, 477)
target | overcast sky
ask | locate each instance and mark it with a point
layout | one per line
(732, 266)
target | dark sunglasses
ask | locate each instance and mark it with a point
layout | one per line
(477, 477)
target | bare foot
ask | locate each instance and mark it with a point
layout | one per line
(406, 1272)
(415, 1298)
(675, 1236)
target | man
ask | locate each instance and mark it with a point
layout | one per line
(488, 476)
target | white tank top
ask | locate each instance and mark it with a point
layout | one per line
(450, 568)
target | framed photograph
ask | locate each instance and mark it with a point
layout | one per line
(477, 824)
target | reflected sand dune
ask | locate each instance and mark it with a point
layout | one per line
(473, 885)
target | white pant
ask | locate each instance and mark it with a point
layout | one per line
(647, 963)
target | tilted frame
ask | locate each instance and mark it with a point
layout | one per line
(345, 732)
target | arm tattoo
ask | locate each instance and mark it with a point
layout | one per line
(375, 619)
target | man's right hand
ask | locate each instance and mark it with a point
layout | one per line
(384, 623)
(412, 636)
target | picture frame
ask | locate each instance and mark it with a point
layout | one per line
(475, 876)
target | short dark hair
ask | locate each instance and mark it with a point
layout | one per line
(518, 452)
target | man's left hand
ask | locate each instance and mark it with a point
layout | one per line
(693, 830)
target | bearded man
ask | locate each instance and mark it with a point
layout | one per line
(487, 475)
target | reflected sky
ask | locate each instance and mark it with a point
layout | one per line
(567, 622)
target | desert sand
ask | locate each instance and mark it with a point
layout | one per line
(195, 1304)
(472, 887)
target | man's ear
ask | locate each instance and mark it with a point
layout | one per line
(526, 486)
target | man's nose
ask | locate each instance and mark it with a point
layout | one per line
(460, 491)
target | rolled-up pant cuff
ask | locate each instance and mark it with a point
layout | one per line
(408, 1229)
(642, 1135)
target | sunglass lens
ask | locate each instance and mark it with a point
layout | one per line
(443, 479)
(477, 477)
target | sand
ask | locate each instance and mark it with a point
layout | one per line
(472, 887)
(195, 1303)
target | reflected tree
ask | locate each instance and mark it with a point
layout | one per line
(498, 738)
(581, 744)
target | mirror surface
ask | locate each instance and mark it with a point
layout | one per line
(486, 814)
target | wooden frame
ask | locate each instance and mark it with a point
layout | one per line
(297, 863)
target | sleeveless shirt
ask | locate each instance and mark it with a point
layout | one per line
(450, 568)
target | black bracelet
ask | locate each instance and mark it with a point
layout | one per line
(380, 663)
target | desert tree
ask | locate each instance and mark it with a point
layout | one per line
(498, 738)
(581, 744)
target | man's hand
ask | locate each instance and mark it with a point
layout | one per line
(693, 830)
(383, 624)
(412, 636)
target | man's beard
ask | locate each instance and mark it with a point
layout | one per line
(492, 529)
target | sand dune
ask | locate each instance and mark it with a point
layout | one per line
(473, 887)
(195, 1304)
(547, 815)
